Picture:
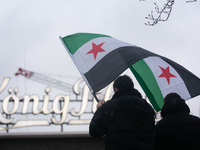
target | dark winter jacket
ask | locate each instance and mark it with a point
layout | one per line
(127, 121)
(178, 130)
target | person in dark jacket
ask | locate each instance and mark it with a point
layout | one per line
(178, 130)
(127, 120)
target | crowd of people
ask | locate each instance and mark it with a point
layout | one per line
(128, 122)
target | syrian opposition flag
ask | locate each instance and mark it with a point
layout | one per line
(159, 76)
(101, 59)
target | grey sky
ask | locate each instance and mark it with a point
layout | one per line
(30, 31)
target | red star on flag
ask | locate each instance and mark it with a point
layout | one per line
(96, 49)
(166, 74)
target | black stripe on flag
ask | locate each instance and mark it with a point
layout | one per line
(191, 81)
(113, 64)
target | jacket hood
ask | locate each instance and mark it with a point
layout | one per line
(131, 101)
(174, 106)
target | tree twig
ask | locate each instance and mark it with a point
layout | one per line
(191, 1)
(166, 10)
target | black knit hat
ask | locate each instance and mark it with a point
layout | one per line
(123, 82)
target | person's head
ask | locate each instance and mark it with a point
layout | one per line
(122, 83)
(171, 96)
(174, 104)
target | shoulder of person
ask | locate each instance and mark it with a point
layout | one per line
(110, 106)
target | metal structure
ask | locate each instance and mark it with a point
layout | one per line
(45, 80)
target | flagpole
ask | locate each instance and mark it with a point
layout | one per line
(93, 93)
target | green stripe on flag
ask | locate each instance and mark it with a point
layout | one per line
(75, 41)
(148, 83)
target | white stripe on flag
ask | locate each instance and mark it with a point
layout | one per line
(86, 61)
(176, 84)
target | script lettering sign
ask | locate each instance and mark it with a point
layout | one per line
(63, 110)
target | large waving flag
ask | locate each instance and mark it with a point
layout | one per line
(101, 59)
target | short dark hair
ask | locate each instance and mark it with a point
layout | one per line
(123, 82)
(171, 96)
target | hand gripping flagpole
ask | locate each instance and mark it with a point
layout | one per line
(93, 93)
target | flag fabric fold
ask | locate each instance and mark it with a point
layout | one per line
(159, 76)
(102, 58)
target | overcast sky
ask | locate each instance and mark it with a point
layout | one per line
(30, 31)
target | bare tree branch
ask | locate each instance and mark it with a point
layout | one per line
(190, 1)
(163, 13)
